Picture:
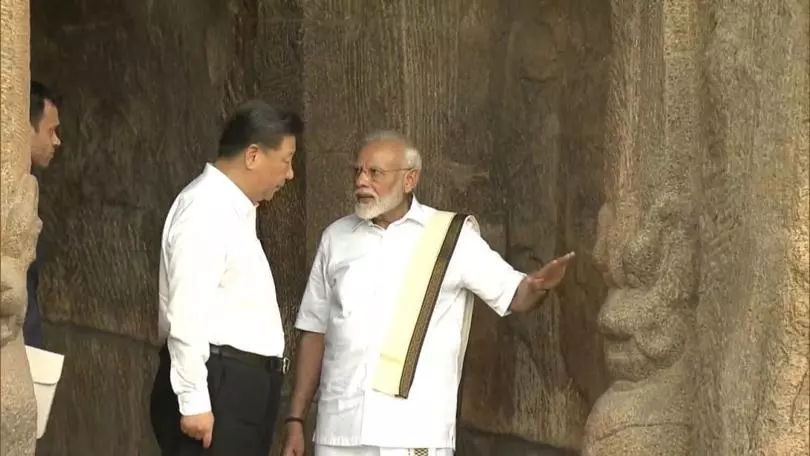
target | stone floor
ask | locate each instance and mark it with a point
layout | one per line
(472, 442)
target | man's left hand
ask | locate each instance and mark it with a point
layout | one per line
(550, 275)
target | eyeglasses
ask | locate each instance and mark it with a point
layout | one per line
(374, 173)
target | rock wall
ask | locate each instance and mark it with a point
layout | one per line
(19, 230)
(753, 319)
(647, 232)
(704, 235)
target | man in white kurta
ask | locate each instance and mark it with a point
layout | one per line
(348, 308)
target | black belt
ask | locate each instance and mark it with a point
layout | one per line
(271, 363)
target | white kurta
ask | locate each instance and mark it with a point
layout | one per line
(351, 296)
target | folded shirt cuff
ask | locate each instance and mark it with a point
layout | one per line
(512, 283)
(310, 325)
(194, 403)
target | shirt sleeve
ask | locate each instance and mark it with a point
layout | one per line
(196, 252)
(484, 272)
(313, 315)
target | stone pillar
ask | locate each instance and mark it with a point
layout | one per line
(20, 228)
(704, 237)
(752, 370)
(647, 237)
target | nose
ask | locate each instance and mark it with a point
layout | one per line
(56, 141)
(290, 173)
(360, 178)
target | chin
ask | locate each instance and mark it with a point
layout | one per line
(367, 211)
(269, 195)
(41, 162)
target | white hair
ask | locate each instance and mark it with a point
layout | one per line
(412, 157)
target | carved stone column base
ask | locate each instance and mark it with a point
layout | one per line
(18, 408)
(650, 417)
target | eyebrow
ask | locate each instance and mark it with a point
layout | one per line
(380, 167)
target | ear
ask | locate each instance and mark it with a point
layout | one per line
(251, 157)
(411, 179)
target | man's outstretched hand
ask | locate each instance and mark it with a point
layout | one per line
(551, 274)
(534, 286)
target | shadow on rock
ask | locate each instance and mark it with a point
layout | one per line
(471, 442)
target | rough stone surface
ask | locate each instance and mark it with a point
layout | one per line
(754, 315)
(19, 229)
(18, 422)
(647, 238)
(115, 405)
(703, 237)
(523, 378)
(472, 442)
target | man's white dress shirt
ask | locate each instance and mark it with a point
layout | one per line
(216, 286)
(351, 296)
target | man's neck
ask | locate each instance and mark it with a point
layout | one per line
(235, 176)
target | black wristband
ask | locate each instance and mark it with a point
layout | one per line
(294, 419)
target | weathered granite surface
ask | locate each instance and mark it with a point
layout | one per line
(753, 319)
(647, 243)
(19, 228)
(704, 235)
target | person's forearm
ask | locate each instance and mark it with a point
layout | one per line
(307, 372)
(195, 264)
(189, 376)
(525, 299)
(188, 344)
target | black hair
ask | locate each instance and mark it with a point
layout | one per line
(39, 93)
(257, 122)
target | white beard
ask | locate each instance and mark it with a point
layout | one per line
(379, 206)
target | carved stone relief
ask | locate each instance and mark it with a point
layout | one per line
(647, 323)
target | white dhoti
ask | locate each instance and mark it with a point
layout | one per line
(325, 450)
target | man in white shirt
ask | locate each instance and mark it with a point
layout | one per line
(218, 384)
(44, 118)
(353, 304)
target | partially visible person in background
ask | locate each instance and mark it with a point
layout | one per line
(44, 118)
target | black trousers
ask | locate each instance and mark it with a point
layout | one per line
(244, 400)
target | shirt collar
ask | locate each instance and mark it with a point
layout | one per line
(243, 205)
(416, 213)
